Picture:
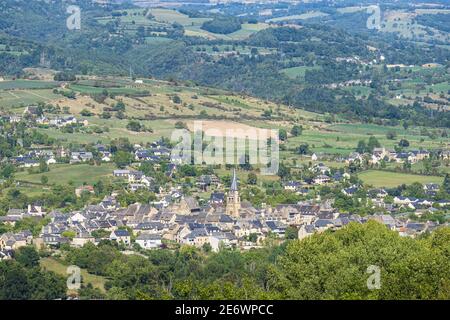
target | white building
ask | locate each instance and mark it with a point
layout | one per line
(149, 241)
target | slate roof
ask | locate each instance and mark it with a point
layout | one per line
(146, 236)
(121, 233)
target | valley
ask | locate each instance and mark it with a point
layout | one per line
(224, 150)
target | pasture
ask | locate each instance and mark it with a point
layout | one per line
(387, 179)
(97, 90)
(343, 138)
(51, 264)
(298, 72)
(23, 97)
(78, 174)
(303, 16)
(117, 129)
(27, 84)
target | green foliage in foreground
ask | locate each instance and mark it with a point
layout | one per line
(22, 279)
(332, 265)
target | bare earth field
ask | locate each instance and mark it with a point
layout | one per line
(229, 129)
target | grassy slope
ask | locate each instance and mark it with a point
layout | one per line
(322, 137)
(51, 264)
(65, 173)
(393, 179)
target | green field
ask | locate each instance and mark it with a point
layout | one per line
(343, 138)
(172, 16)
(297, 72)
(442, 87)
(131, 21)
(27, 84)
(386, 179)
(57, 267)
(93, 90)
(359, 90)
(117, 129)
(192, 26)
(65, 173)
(363, 131)
(303, 16)
(247, 29)
(24, 97)
(157, 40)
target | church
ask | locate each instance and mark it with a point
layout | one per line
(233, 200)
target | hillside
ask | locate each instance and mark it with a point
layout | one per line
(339, 72)
(108, 105)
(221, 150)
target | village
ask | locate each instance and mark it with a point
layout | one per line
(223, 221)
(179, 216)
(223, 150)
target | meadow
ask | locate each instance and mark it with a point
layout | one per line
(298, 72)
(23, 97)
(78, 174)
(303, 16)
(387, 179)
(27, 84)
(51, 264)
(84, 89)
(247, 29)
(116, 129)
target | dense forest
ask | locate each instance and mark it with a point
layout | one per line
(222, 25)
(23, 279)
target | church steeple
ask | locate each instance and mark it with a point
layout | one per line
(233, 199)
(234, 185)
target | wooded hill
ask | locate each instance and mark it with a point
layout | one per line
(38, 31)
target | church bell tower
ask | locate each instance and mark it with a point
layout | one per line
(233, 199)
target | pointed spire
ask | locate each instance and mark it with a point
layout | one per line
(234, 185)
